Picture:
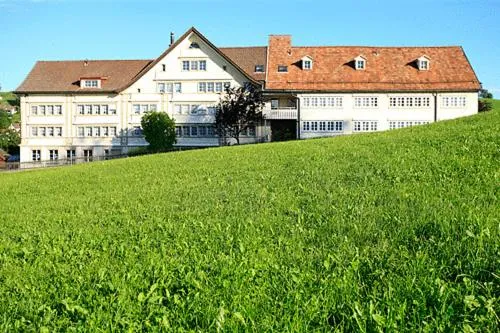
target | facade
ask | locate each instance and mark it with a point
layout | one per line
(73, 109)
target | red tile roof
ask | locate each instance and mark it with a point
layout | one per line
(387, 68)
(64, 76)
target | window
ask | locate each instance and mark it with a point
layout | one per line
(177, 87)
(365, 126)
(251, 131)
(80, 109)
(306, 102)
(194, 45)
(454, 101)
(314, 125)
(89, 131)
(178, 130)
(50, 110)
(169, 87)
(81, 131)
(185, 109)
(185, 65)
(365, 102)
(306, 126)
(96, 109)
(161, 87)
(71, 154)
(322, 126)
(58, 109)
(97, 131)
(259, 68)
(194, 131)
(58, 131)
(35, 155)
(202, 87)
(137, 131)
(409, 102)
(34, 110)
(194, 65)
(112, 131)
(202, 131)
(359, 63)
(105, 131)
(91, 83)
(53, 154)
(218, 86)
(314, 102)
(137, 108)
(186, 131)
(322, 102)
(88, 109)
(335, 126)
(163, 67)
(41, 108)
(393, 124)
(212, 110)
(282, 69)
(203, 65)
(210, 87)
(423, 63)
(42, 131)
(307, 64)
(194, 109)
(34, 131)
(275, 104)
(105, 109)
(87, 155)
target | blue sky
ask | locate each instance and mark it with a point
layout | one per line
(74, 29)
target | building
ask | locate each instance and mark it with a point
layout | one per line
(94, 107)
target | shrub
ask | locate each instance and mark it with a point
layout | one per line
(484, 105)
(159, 130)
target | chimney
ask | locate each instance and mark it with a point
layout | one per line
(281, 43)
(86, 62)
(171, 38)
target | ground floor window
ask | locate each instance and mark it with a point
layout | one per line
(195, 130)
(393, 124)
(323, 126)
(53, 154)
(365, 126)
(87, 155)
(71, 154)
(36, 155)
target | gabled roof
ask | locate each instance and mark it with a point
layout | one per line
(64, 76)
(174, 45)
(390, 69)
(247, 58)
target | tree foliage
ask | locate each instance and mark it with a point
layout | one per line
(5, 120)
(159, 130)
(484, 105)
(484, 93)
(239, 109)
(9, 140)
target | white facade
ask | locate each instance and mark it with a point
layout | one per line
(110, 123)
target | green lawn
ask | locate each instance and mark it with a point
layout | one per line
(394, 231)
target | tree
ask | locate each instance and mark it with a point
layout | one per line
(4, 120)
(159, 130)
(484, 93)
(9, 140)
(239, 109)
(484, 105)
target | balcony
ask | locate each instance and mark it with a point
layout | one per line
(280, 113)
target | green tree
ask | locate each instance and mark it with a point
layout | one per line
(4, 120)
(239, 109)
(484, 93)
(9, 140)
(484, 105)
(159, 130)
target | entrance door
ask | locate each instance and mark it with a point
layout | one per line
(283, 130)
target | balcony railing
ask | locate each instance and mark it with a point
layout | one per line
(280, 113)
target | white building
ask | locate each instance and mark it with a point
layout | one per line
(93, 107)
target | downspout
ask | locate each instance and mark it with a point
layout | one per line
(435, 106)
(298, 117)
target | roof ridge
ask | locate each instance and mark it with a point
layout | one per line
(378, 47)
(81, 60)
(241, 47)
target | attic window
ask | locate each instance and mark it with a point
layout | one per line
(91, 83)
(360, 63)
(423, 63)
(164, 67)
(194, 45)
(282, 68)
(307, 63)
(259, 68)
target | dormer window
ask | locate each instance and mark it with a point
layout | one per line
(259, 68)
(360, 63)
(282, 69)
(90, 83)
(423, 63)
(307, 63)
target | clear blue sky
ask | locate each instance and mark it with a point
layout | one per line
(74, 29)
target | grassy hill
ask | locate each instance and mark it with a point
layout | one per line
(394, 231)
